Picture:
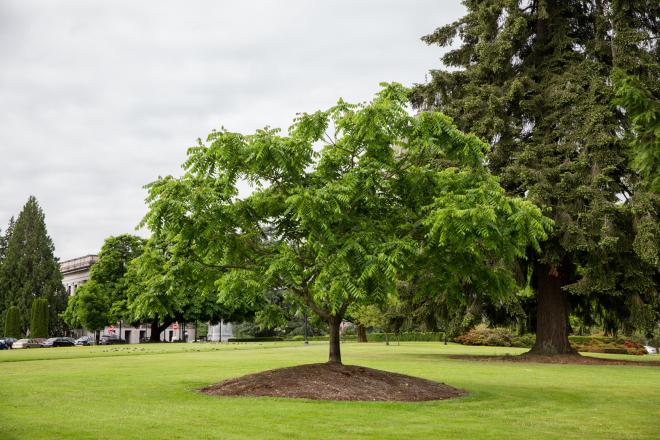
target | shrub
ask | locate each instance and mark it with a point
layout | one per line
(604, 344)
(501, 337)
(13, 323)
(39, 318)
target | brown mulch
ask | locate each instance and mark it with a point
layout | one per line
(558, 359)
(334, 382)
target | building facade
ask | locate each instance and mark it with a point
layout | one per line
(76, 272)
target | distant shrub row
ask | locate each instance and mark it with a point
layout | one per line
(502, 337)
(380, 337)
(256, 339)
(482, 335)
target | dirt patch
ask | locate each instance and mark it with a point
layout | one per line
(334, 382)
(559, 359)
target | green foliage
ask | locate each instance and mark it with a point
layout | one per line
(39, 318)
(408, 337)
(499, 337)
(13, 323)
(536, 80)
(166, 288)
(341, 209)
(642, 107)
(30, 270)
(257, 339)
(103, 299)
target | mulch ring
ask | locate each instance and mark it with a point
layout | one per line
(557, 359)
(334, 382)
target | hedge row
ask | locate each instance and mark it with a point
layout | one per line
(380, 337)
(256, 339)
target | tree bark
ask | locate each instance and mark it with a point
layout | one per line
(552, 313)
(157, 329)
(335, 350)
(361, 333)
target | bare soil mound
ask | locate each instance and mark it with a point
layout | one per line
(558, 359)
(334, 382)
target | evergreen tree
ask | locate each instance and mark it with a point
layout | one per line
(13, 323)
(4, 240)
(39, 318)
(534, 77)
(30, 269)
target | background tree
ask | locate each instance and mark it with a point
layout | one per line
(103, 299)
(89, 308)
(13, 323)
(4, 239)
(534, 78)
(339, 224)
(30, 269)
(39, 318)
(163, 288)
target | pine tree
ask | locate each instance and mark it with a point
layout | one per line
(13, 323)
(534, 78)
(30, 269)
(39, 318)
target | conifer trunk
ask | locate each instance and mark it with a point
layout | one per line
(335, 349)
(552, 313)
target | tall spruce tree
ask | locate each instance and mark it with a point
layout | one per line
(534, 77)
(30, 269)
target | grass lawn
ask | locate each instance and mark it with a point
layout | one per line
(148, 392)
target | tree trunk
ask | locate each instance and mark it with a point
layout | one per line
(552, 313)
(155, 334)
(361, 333)
(157, 329)
(335, 350)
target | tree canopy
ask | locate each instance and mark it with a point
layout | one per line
(350, 201)
(103, 299)
(534, 78)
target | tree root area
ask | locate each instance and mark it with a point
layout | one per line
(334, 382)
(575, 359)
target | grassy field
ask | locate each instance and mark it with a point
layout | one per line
(149, 392)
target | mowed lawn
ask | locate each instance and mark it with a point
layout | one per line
(149, 392)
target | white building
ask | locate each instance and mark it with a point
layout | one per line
(75, 273)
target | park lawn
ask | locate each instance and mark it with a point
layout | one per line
(149, 391)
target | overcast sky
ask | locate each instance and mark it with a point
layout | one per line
(98, 98)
